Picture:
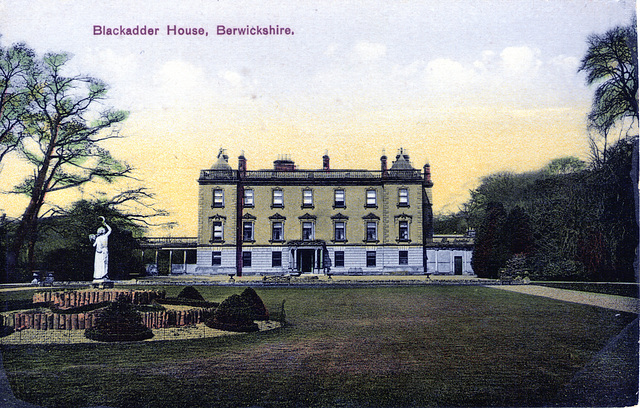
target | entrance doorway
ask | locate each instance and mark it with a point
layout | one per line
(457, 265)
(306, 260)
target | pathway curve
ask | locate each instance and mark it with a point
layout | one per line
(619, 303)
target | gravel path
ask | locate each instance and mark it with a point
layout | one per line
(619, 303)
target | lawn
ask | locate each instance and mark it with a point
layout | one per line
(344, 347)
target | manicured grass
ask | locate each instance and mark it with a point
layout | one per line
(356, 347)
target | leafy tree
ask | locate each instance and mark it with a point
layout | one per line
(571, 225)
(16, 66)
(611, 62)
(64, 247)
(63, 133)
(519, 234)
(491, 250)
(450, 224)
(565, 165)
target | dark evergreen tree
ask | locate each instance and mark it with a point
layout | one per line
(491, 250)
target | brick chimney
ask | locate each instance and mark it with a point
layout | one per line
(242, 164)
(325, 161)
(284, 163)
(427, 174)
(383, 164)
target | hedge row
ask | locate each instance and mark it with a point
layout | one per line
(81, 321)
(78, 298)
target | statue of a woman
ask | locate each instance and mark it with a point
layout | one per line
(101, 243)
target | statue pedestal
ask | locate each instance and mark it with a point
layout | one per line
(102, 284)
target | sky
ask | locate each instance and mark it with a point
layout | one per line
(471, 87)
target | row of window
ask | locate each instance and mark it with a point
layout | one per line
(276, 258)
(308, 231)
(339, 198)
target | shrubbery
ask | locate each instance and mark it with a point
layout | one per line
(257, 305)
(190, 293)
(189, 296)
(234, 314)
(119, 322)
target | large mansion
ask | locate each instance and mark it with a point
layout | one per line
(338, 221)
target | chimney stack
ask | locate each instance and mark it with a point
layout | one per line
(242, 164)
(383, 164)
(325, 161)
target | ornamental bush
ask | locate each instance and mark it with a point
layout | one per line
(190, 293)
(119, 322)
(257, 305)
(233, 314)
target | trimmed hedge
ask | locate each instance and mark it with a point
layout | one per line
(233, 314)
(186, 302)
(255, 302)
(190, 293)
(119, 322)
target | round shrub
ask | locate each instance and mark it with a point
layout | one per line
(257, 305)
(190, 293)
(233, 314)
(119, 322)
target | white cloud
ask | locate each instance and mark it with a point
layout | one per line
(368, 51)
(447, 74)
(520, 60)
(180, 82)
(232, 77)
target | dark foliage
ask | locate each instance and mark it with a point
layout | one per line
(491, 251)
(611, 62)
(190, 293)
(187, 302)
(233, 314)
(255, 302)
(119, 322)
(569, 225)
(64, 246)
(449, 224)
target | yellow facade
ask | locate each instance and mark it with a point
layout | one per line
(317, 221)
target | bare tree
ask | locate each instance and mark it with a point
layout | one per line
(62, 140)
(611, 62)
